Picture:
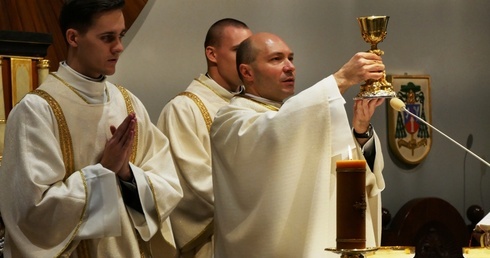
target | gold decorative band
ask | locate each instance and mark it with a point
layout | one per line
(43, 63)
(204, 111)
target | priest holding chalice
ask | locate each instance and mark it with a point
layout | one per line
(275, 156)
(351, 185)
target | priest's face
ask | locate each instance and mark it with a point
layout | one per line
(225, 56)
(273, 70)
(95, 52)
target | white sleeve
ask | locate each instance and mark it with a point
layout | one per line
(102, 218)
(343, 137)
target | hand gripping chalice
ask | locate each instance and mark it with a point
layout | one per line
(373, 30)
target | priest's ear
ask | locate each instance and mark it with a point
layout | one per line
(246, 72)
(72, 36)
(211, 54)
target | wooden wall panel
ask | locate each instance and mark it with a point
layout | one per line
(42, 16)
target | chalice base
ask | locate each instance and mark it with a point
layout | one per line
(376, 89)
(352, 253)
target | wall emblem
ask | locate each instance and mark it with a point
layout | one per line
(409, 139)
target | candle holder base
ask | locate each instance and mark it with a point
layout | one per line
(352, 253)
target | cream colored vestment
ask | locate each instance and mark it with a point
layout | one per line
(48, 212)
(182, 121)
(274, 176)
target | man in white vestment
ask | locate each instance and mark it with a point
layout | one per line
(84, 171)
(274, 156)
(186, 120)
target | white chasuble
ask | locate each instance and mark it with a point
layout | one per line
(274, 176)
(185, 124)
(49, 211)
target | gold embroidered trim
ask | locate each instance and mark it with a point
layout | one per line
(211, 89)
(199, 239)
(268, 106)
(75, 90)
(202, 107)
(129, 107)
(82, 248)
(209, 229)
(69, 86)
(65, 136)
(66, 146)
(156, 207)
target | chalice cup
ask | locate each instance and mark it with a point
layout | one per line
(373, 30)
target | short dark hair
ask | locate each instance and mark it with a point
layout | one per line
(245, 54)
(80, 14)
(216, 30)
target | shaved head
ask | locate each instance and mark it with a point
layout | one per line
(249, 48)
(265, 66)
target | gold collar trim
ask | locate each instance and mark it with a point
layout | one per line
(76, 91)
(268, 106)
(211, 89)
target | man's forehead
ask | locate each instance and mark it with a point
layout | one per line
(270, 47)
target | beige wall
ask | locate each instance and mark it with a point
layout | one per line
(447, 39)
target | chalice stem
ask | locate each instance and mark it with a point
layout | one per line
(374, 47)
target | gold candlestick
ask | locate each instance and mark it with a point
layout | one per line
(373, 31)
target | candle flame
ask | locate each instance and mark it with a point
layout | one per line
(349, 152)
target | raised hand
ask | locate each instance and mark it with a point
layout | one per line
(361, 67)
(363, 111)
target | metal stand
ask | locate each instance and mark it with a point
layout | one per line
(2, 237)
(352, 253)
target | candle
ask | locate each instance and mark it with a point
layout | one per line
(354, 164)
(351, 204)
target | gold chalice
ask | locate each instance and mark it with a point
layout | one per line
(373, 30)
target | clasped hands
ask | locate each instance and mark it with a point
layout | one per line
(117, 151)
